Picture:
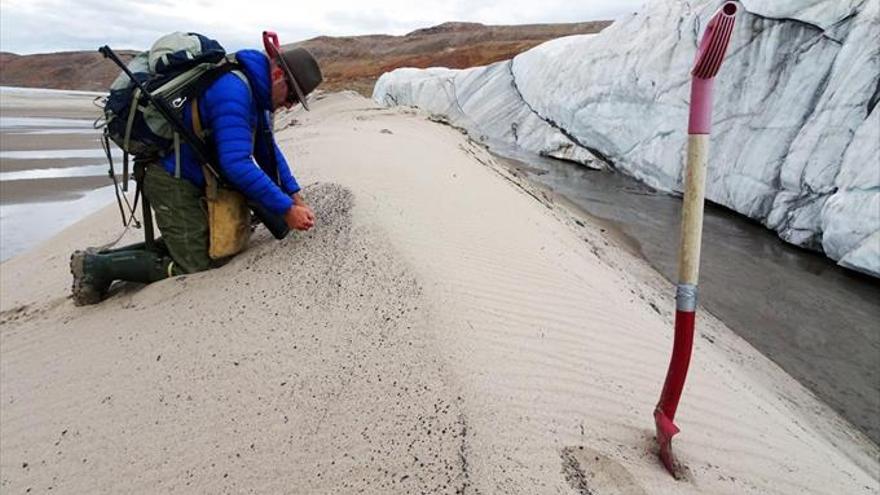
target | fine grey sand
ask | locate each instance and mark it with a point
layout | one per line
(446, 328)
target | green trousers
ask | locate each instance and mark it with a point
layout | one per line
(182, 218)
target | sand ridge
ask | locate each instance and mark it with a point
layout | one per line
(218, 382)
(446, 328)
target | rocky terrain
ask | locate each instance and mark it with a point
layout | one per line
(796, 138)
(350, 62)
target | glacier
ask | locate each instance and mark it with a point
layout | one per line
(796, 131)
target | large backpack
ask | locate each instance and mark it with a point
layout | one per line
(174, 72)
(176, 69)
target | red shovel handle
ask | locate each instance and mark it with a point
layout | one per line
(710, 54)
(271, 44)
(712, 47)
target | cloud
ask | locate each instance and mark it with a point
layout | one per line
(53, 27)
(370, 21)
(34, 26)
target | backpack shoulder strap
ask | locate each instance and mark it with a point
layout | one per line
(230, 66)
(210, 77)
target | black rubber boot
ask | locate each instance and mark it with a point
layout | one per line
(139, 246)
(93, 272)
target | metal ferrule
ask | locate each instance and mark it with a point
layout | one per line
(686, 297)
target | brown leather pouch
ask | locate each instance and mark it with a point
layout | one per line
(229, 218)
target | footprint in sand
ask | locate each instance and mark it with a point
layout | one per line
(591, 473)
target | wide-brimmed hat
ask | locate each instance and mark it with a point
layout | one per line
(302, 70)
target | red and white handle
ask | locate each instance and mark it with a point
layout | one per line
(271, 44)
(710, 54)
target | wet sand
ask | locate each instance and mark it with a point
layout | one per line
(14, 141)
(49, 190)
(49, 103)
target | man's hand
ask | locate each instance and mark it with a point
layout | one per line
(300, 217)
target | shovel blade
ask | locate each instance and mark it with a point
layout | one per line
(666, 429)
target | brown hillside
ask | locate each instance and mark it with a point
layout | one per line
(356, 62)
(351, 62)
(87, 71)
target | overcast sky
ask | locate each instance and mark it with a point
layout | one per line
(39, 26)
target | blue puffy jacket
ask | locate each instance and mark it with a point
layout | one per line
(238, 117)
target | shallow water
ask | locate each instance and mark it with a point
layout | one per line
(55, 172)
(43, 93)
(55, 154)
(817, 321)
(40, 203)
(25, 225)
(51, 131)
(58, 124)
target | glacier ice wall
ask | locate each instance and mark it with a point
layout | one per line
(796, 133)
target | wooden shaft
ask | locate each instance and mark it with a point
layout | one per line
(692, 209)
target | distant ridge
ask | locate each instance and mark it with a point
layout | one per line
(348, 62)
(447, 27)
(83, 70)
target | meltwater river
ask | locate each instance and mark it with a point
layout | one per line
(819, 322)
